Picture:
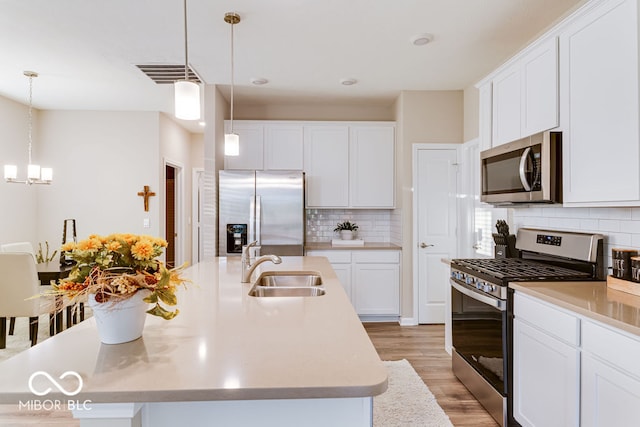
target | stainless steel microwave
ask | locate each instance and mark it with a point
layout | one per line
(528, 170)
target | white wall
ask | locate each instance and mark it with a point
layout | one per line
(18, 202)
(100, 161)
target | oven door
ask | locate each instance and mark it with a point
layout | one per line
(479, 333)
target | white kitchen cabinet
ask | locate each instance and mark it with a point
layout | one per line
(371, 278)
(599, 110)
(251, 146)
(525, 94)
(485, 93)
(507, 98)
(283, 146)
(350, 165)
(371, 166)
(610, 377)
(546, 365)
(326, 164)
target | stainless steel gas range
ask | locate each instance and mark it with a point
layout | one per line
(482, 307)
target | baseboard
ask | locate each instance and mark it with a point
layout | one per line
(378, 319)
(408, 321)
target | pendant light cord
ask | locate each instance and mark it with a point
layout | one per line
(232, 79)
(186, 50)
(30, 114)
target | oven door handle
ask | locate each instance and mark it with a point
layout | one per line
(485, 299)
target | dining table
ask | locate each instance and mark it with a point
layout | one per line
(53, 271)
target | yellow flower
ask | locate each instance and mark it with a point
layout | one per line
(90, 244)
(142, 250)
(113, 246)
(69, 246)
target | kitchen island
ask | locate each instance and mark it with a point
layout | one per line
(226, 359)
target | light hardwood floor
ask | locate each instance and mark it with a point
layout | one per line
(423, 347)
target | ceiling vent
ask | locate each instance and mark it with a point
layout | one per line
(168, 74)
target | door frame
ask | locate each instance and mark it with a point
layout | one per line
(179, 211)
(196, 204)
(416, 185)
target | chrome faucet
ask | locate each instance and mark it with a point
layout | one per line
(249, 269)
(246, 255)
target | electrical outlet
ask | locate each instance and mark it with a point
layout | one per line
(146, 223)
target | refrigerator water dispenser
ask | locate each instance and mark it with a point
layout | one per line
(236, 237)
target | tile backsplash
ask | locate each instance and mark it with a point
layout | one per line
(375, 225)
(620, 226)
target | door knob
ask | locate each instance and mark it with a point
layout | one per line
(424, 245)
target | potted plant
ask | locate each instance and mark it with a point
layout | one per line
(347, 230)
(120, 275)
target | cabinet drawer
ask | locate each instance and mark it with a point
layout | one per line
(612, 346)
(376, 256)
(551, 320)
(334, 257)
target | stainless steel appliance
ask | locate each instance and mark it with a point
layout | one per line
(482, 307)
(263, 206)
(528, 170)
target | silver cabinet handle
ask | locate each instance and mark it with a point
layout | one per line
(424, 245)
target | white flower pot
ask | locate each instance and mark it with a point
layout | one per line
(121, 321)
(346, 234)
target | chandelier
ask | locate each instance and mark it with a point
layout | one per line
(35, 175)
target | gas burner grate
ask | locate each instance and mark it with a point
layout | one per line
(516, 268)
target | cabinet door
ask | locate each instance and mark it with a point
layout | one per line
(343, 271)
(485, 114)
(251, 147)
(372, 166)
(610, 397)
(376, 289)
(599, 111)
(545, 377)
(283, 147)
(506, 106)
(326, 163)
(540, 88)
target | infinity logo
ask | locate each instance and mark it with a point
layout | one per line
(54, 382)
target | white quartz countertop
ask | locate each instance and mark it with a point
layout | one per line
(224, 345)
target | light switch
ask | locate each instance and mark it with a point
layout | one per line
(146, 223)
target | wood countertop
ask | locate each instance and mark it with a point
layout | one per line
(324, 246)
(224, 345)
(593, 300)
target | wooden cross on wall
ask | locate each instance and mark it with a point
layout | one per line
(146, 194)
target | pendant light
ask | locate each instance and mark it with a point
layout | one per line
(187, 93)
(231, 139)
(35, 175)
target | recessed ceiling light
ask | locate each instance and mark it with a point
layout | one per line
(421, 39)
(348, 82)
(259, 81)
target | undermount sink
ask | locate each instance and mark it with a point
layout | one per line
(288, 284)
(289, 279)
(274, 291)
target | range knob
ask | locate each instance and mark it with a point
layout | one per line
(479, 285)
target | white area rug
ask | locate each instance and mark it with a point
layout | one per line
(407, 402)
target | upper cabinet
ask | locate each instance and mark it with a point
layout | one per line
(266, 146)
(485, 114)
(599, 89)
(350, 165)
(525, 95)
(251, 146)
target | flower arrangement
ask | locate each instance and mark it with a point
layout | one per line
(115, 267)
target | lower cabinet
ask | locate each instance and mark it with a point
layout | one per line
(569, 370)
(371, 279)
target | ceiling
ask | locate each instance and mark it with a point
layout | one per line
(86, 50)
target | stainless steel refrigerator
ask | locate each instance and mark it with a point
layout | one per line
(267, 206)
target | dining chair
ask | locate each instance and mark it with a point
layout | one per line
(17, 247)
(18, 283)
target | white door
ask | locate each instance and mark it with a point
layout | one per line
(435, 210)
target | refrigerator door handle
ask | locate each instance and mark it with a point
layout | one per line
(258, 235)
(252, 220)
